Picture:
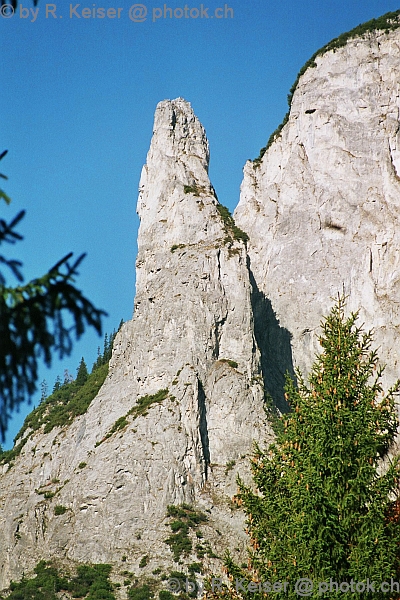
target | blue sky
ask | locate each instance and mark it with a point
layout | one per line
(77, 102)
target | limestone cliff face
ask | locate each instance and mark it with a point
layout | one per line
(212, 322)
(192, 334)
(323, 208)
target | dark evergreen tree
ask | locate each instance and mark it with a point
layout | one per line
(98, 361)
(57, 384)
(82, 373)
(325, 503)
(107, 348)
(44, 390)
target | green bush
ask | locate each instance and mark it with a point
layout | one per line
(180, 543)
(140, 409)
(182, 578)
(191, 189)
(144, 561)
(231, 363)
(186, 518)
(177, 525)
(165, 595)
(229, 466)
(195, 568)
(119, 424)
(60, 510)
(91, 583)
(177, 247)
(145, 402)
(231, 229)
(140, 593)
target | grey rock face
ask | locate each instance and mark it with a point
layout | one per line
(192, 334)
(322, 210)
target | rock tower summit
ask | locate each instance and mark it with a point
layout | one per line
(189, 356)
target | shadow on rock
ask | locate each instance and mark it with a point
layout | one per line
(275, 346)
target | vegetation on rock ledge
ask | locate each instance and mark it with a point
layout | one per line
(68, 400)
(231, 229)
(140, 409)
(185, 518)
(90, 583)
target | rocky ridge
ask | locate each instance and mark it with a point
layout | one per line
(322, 206)
(183, 401)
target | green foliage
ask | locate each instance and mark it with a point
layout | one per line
(273, 415)
(57, 384)
(44, 390)
(177, 247)
(68, 400)
(144, 561)
(103, 358)
(229, 466)
(231, 229)
(180, 543)
(195, 568)
(186, 518)
(387, 22)
(58, 410)
(322, 506)
(140, 409)
(231, 363)
(182, 577)
(144, 403)
(165, 595)
(143, 592)
(49, 494)
(82, 373)
(82, 465)
(60, 510)
(119, 425)
(191, 189)
(91, 583)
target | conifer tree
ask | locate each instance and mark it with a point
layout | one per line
(44, 390)
(57, 384)
(82, 373)
(98, 361)
(325, 499)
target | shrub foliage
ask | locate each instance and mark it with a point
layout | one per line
(68, 400)
(91, 582)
